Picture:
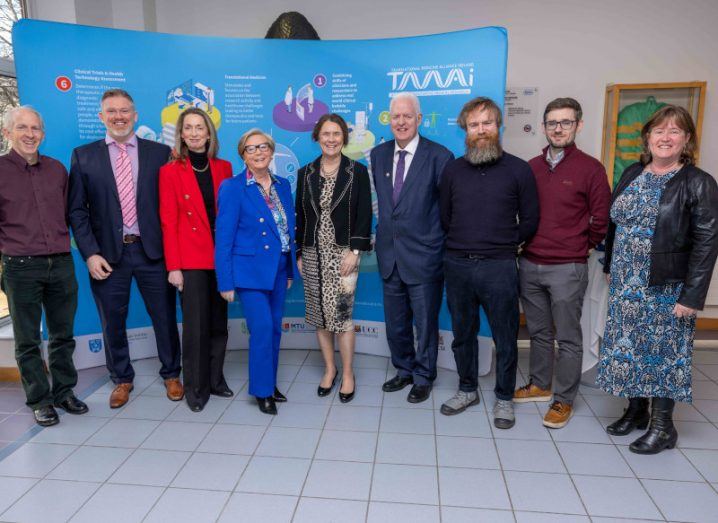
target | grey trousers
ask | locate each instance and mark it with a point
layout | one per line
(552, 299)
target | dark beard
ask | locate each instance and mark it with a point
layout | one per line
(487, 152)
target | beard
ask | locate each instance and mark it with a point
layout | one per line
(556, 142)
(482, 149)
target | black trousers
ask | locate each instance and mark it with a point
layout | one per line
(494, 285)
(204, 336)
(34, 283)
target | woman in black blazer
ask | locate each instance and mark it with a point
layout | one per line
(333, 206)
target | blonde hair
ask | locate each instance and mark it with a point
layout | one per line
(212, 144)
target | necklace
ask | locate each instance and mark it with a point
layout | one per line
(203, 169)
(664, 170)
(325, 173)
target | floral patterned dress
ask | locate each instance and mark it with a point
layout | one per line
(646, 351)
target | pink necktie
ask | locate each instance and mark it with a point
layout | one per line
(125, 186)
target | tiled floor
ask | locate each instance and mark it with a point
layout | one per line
(378, 458)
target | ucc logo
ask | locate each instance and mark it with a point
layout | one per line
(453, 77)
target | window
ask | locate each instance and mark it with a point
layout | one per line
(10, 12)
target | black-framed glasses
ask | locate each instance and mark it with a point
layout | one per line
(565, 124)
(251, 149)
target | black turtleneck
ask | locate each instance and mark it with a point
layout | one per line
(200, 165)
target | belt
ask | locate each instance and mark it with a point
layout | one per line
(130, 238)
(469, 255)
(55, 255)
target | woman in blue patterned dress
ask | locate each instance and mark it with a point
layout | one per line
(661, 247)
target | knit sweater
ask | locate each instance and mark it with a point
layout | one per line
(488, 209)
(574, 199)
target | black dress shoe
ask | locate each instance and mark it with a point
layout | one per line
(46, 416)
(225, 392)
(267, 405)
(397, 383)
(419, 393)
(324, 391)
(72, 405)
(278, 396)
(348, 396)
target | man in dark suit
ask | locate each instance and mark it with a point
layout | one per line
(114, 214)
(410, 245)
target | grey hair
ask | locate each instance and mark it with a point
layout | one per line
(8, 121)
(411, 97)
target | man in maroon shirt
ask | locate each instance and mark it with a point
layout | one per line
(574, 200)
(37, 268)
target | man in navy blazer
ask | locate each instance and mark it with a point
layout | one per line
(410, 245)
(114, 214)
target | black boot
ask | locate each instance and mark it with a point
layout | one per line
(661, 432)
(635, 416)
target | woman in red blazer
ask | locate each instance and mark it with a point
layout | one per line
(188, 207)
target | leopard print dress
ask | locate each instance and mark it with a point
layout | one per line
(328, 296)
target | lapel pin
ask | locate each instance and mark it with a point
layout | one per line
(387, 175)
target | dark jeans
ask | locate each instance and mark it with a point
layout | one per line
(493, 285)
(405, 305)
(34, 283)
(112, 297)
(204, 336)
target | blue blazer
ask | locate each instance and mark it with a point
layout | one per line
(409, 234)
(94, 205)
(247, 243)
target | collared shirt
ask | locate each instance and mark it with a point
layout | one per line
(33, 206)
(411, 151)
(114, 151)
(554, 161)
(275, 207)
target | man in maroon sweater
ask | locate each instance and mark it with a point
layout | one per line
(574, 200)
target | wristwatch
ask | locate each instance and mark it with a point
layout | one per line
(356, 252)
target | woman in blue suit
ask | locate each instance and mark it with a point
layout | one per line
(254, 257)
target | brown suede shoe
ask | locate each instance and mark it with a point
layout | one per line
(175, 390)
(558, 415)
(120, 395)
(531, 392)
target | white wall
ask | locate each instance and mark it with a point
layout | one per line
(565, 48)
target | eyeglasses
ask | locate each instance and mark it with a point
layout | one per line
(251, 149)
(565, 124)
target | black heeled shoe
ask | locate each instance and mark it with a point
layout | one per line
(267, 405)
(347, 397)
(278, 396)
(324, 391)
(636, 416)
(661, 433)
(224, 392)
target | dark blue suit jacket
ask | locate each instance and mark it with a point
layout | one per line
(94, 205)
(247, 243)
(409, 234)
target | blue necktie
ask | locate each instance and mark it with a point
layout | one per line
(399, 177)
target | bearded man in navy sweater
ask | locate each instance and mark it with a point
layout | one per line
(575, 199)
(489, 207)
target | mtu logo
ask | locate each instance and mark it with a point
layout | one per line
(432, 81)
(95, 344)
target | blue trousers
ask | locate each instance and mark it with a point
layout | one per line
(263, 310)
(405, 305)
(112, 297)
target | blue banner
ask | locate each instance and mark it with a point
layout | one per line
(281, 86)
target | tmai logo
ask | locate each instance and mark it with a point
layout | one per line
(433, 81)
